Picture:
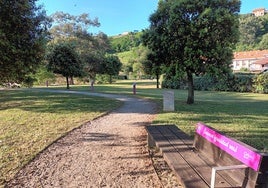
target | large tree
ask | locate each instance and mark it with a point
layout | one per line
(64, 60)
(152, 65)
(195, 36)
(23, 27)
(66, 25)
(112, 66)
(75, 30)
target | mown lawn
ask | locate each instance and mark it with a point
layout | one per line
(243, 116)
(32, 120)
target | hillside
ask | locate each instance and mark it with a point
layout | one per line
(253, 32)
(126, 42)
(253, 35)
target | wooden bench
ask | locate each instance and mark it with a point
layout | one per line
(212, 159)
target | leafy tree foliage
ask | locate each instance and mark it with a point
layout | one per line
(263, 45)
(252, 32)
(67, 25)
(64, 60)
(152, 66)
(93, 64)
(43, 76)
(112, 66)
(23, 34)
(74, 30)
(195, 36)
(125, 42)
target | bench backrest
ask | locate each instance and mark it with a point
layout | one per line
(225, 151)
(246, 155)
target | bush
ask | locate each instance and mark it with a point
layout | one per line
(102, 79)
(243, 83)
(204, 83)
(28, 81)
(260, 83)
(174, 83)
(229, 82)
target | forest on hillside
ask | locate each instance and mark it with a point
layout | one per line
(253, 35)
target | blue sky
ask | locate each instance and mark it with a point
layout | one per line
(118, 16)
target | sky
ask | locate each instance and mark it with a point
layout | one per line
(119, 16)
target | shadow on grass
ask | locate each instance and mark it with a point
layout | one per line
(46, 102)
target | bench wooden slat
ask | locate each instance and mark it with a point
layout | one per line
(192, 160)
(201, 166)
(187, 175)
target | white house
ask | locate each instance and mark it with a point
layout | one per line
(259, 12)
(250, 60)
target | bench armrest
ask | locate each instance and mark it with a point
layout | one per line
(219, 168)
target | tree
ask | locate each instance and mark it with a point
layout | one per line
(64, 60)
(252, 31)
(112, 66)
(75, 30)
(152, 66)
(43, 76)
(195, 36)
(23, 36)
(67, 25)
(94, 64)
(263, 45)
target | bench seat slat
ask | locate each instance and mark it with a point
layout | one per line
(200, 166)
(186, 175)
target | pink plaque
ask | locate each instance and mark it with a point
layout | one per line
(238, 151)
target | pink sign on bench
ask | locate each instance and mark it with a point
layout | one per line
(238, 151)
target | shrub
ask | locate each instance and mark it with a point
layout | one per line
(243, 83)
(28, 81)
(204, 83)
(260, 83)
(229, 82)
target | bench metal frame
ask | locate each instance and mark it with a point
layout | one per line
(220, 168)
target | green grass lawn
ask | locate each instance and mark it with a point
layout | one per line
(243, 116)
(31, 120)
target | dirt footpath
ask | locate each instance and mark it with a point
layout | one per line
(107, 152)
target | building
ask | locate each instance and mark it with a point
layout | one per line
(254, 61)
(259, 12)
(261, 64)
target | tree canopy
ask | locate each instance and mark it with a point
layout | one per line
(112, 66)
(64, 60)
(194, 36)
(91, 48)
(23, 34)
(253, 32)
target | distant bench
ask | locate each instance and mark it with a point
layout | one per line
(212, 159)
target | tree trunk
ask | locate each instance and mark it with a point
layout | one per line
(110, 79)
(91, 85)
(71, 80)
(190, 99)
(67, 81)
(157, 81)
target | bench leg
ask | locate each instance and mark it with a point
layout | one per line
(215, 169)
(151, 142)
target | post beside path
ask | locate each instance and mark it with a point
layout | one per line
(168, 101)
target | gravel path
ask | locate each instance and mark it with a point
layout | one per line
(107, 152)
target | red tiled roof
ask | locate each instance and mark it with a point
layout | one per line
(258, 9)
(256, 54)
(262, 61)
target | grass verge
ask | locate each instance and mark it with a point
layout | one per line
(31, 120)
(243, 116)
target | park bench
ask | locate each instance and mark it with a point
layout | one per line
(211, 159)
